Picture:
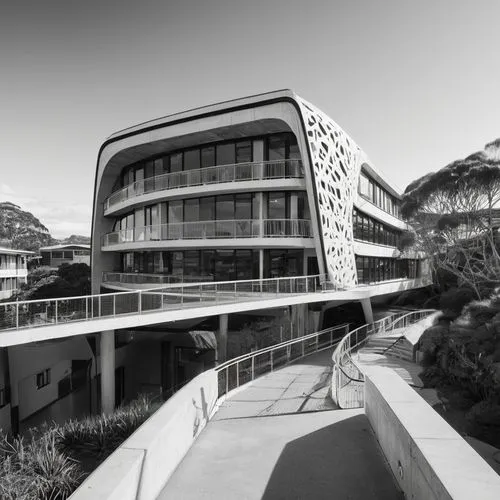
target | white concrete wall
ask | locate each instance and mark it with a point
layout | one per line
(428, 458)
(28, 360)
(142, 465)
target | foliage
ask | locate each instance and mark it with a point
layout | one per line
(47, 466)
(452, 211)
(36, 469)
(483, 421)
(455, 299)
(101, 435)
(69, 280)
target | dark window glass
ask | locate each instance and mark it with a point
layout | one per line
(207, 263)
(192, 159)
(68, 254)
(303, 206)
(224, 265)
(207, 208)
(276, 206)
(177, 263)
(192, 210)
(243, 264)
(225, 154)
(175, 162)
(57, 255)
(276, 148)
(149, 169)
(243, 206)
(225, 207)
(175, 211)
(191, 263)
(208, 156)
(243, 151)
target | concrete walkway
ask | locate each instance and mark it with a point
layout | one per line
(266, 443)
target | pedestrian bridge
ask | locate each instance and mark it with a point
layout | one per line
(35, 320)
(263, 426)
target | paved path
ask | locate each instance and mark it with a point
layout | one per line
(245, 455)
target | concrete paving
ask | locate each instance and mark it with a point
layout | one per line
(266, 443)
(302, 386)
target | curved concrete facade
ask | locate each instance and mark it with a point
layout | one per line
(331, 162)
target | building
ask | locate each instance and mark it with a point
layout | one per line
(260, 187)
(13, 270)
(56, 255)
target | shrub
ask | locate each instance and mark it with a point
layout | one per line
(36, 469)
(429, 358)
(453, 301)
(483, 421)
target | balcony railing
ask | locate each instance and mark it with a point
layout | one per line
(281, 169)
(347, 379)
(152, 279)
(38, 313)
(243, 228)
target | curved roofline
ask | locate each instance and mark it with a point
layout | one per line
(208, 108)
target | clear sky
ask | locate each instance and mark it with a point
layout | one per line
(415, 83)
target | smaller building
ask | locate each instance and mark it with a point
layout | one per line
(13, 270)
(56, 255)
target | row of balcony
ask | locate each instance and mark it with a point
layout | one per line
(238, 172)
(246, 228)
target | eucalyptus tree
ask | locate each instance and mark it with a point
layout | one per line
(453, 212)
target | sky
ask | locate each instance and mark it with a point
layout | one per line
(415, 84)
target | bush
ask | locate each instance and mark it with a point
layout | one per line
(453, 301)
(429, 358)
(36, 469)
(47, 467)
(483, 421)
(100, 435)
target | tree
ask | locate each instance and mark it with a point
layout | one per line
(453, 212)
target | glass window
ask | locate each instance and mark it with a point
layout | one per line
(175, 212)
(192, 159)
(225, 207)
(243, 151)
(175, 162)
(149, 169)
(207, 263)
(276, 148)
(226, 154)
(243, 264)
(303, 206)
(192, 210)
(207, 208)
(191, 263)
(68, 254)
(158, 167)
(224, 265)
(364, 187)
(208, 156)
(176, 263)
(276, 205)
(243, 206)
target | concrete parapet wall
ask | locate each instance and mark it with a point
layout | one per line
(428, 458)
(142, 465)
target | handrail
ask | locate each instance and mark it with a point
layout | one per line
(212, 229)
(245, 368)
(43, 312)
(345, 370)
(218, 174)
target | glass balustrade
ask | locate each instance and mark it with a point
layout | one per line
(246, 228)
(282, 169)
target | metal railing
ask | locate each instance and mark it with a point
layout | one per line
(43, 312)
(151, 279)
(347, 379)
(238, 371)
(215, 229)
(237, 172)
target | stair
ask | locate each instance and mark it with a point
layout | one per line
(378, 344)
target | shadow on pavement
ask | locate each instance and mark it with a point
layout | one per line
(341, 461)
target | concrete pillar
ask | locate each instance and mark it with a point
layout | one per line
(107, 353)
(221, 336)
(294, 206)
(367, 310)
(261, 263)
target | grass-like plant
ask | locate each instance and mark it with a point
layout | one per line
(47, 466)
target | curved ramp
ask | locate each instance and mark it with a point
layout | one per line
(271, 441)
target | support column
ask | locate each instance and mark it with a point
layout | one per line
(367, 310)
(107, 353)
(261, 264)
(221, 336)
